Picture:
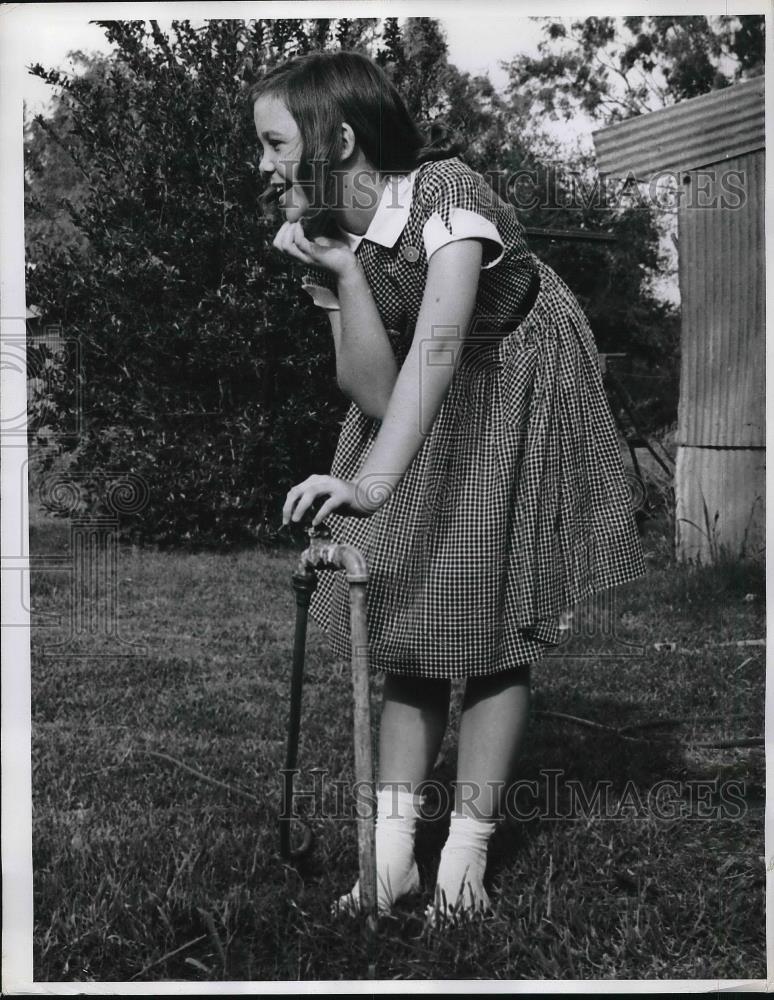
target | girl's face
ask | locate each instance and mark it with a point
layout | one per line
(281, 147)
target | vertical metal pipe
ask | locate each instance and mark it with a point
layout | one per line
(323, 554)
(364, 767)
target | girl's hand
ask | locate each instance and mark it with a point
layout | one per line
(350, 499)
(332, 255)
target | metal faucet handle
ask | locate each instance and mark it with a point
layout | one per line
(322, 531)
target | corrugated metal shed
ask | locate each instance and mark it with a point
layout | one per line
(716, 142)
(722, 289)
(694, 133)
(721, 498)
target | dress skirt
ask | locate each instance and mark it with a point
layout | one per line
(515, 508)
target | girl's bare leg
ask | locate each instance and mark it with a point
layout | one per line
(414, 715)
(495, 713)
(413, 721)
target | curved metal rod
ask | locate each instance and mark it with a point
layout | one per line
(304, 583)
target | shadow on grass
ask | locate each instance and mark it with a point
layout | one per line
(565, 773)
(130, 851)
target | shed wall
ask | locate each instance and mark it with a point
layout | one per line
(731, 484)
(722, 287)
(722, 410)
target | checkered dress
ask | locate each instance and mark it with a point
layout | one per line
(516, 506)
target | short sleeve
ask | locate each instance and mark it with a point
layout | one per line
(321, 286)
(460, 206)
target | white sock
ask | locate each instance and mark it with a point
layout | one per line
(460, 883)
(396, 870)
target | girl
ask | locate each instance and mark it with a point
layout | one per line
(477, 468)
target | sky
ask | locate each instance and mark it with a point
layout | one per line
(476, 45)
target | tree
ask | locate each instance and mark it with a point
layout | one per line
(415, 57)
(615, 68)
(53, 176)
(205, 371)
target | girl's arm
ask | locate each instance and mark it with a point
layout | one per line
(365, 363)
(444, 318)
(366, 369)
(421, 386)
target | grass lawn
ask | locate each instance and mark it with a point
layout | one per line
(144, 872)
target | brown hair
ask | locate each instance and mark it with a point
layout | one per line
(323, 89)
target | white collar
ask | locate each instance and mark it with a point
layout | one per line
(391, 215)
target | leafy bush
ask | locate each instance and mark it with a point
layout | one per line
(203, 370)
